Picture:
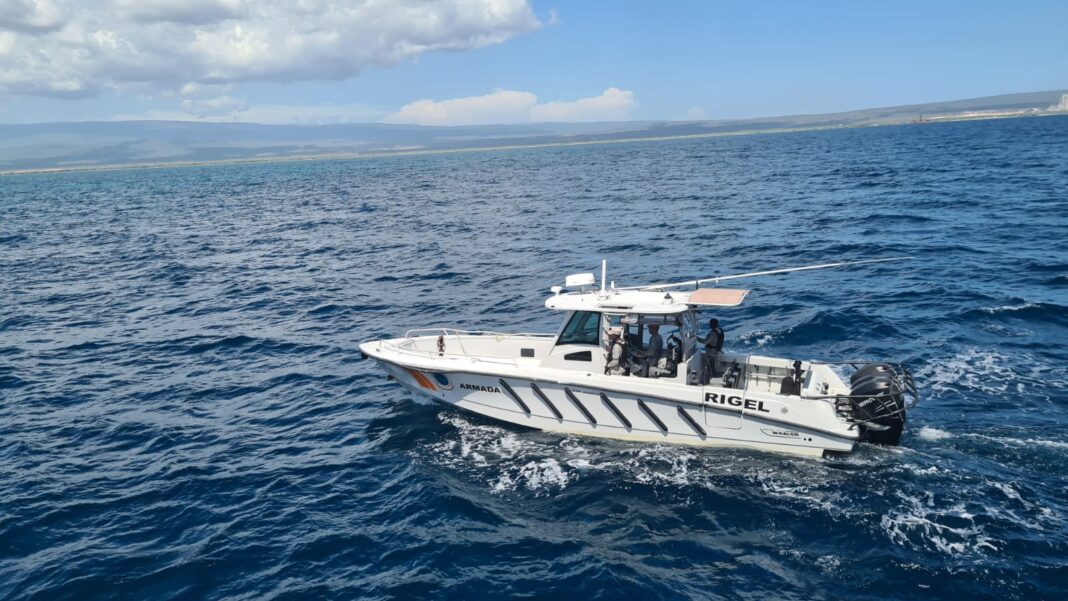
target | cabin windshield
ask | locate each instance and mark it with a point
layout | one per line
(636, 327)
(582, 328)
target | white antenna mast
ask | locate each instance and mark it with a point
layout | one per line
(604, 272)
(721, 278)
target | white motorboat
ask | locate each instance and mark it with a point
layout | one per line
(603, 374)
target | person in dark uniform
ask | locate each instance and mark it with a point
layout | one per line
(713, 345)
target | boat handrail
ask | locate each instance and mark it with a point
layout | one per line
(457, 332)
(406, 345)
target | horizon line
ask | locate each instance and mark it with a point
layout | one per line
(521, 124)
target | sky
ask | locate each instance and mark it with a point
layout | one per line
(451, 62)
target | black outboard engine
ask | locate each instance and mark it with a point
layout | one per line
(877, 394)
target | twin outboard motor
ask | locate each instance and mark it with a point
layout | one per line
(877, 394)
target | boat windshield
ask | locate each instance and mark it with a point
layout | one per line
(582, 328)
(636, 327)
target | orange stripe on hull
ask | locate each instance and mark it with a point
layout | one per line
(423, 380)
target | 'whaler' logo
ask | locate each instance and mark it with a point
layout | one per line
(735, 401)
(480, 388)
(780, 433)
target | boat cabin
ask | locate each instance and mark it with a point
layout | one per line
(593, 316)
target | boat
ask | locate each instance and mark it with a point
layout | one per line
(602, 374)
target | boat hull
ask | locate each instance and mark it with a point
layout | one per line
(599, 411)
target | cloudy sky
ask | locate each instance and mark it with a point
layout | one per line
(443, 62)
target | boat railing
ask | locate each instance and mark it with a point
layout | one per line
(451, 338)
(456, 332)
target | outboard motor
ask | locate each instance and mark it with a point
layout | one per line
(877, 395)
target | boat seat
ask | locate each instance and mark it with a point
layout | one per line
(790, 386)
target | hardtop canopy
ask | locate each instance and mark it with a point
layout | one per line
(646, 301)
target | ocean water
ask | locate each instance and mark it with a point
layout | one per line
(184, 413)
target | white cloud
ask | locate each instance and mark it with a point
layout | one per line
(78, 47)
(7, 42)
(508, 106)
(695, 114)
(502, 106)
(220, 106)
(612, 105)
(186, 11)
(32, 16)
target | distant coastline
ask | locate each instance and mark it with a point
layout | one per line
(412, 152)
(113, 146)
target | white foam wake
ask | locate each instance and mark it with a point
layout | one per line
(929, 433)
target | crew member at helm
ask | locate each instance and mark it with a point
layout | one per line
(653, 349)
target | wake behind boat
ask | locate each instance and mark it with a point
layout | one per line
(607, 373)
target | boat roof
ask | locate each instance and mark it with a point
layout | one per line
(668, 298)
(655, 302)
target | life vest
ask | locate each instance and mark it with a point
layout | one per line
(715, 344)
(623, 364)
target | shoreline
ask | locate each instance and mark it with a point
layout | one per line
(348, 156)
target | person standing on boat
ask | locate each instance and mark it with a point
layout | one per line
(616, 354)
(713, 345)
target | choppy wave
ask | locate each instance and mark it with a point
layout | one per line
(1041, 313)
(504, 460)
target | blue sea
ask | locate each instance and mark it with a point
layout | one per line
(184, 413)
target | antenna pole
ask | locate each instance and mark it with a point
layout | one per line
(604, 272)
(721, 278)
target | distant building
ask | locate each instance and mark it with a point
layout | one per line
(1062, 105)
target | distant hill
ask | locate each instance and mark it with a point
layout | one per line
(99, 144)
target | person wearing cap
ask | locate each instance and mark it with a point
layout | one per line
(616, 353)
